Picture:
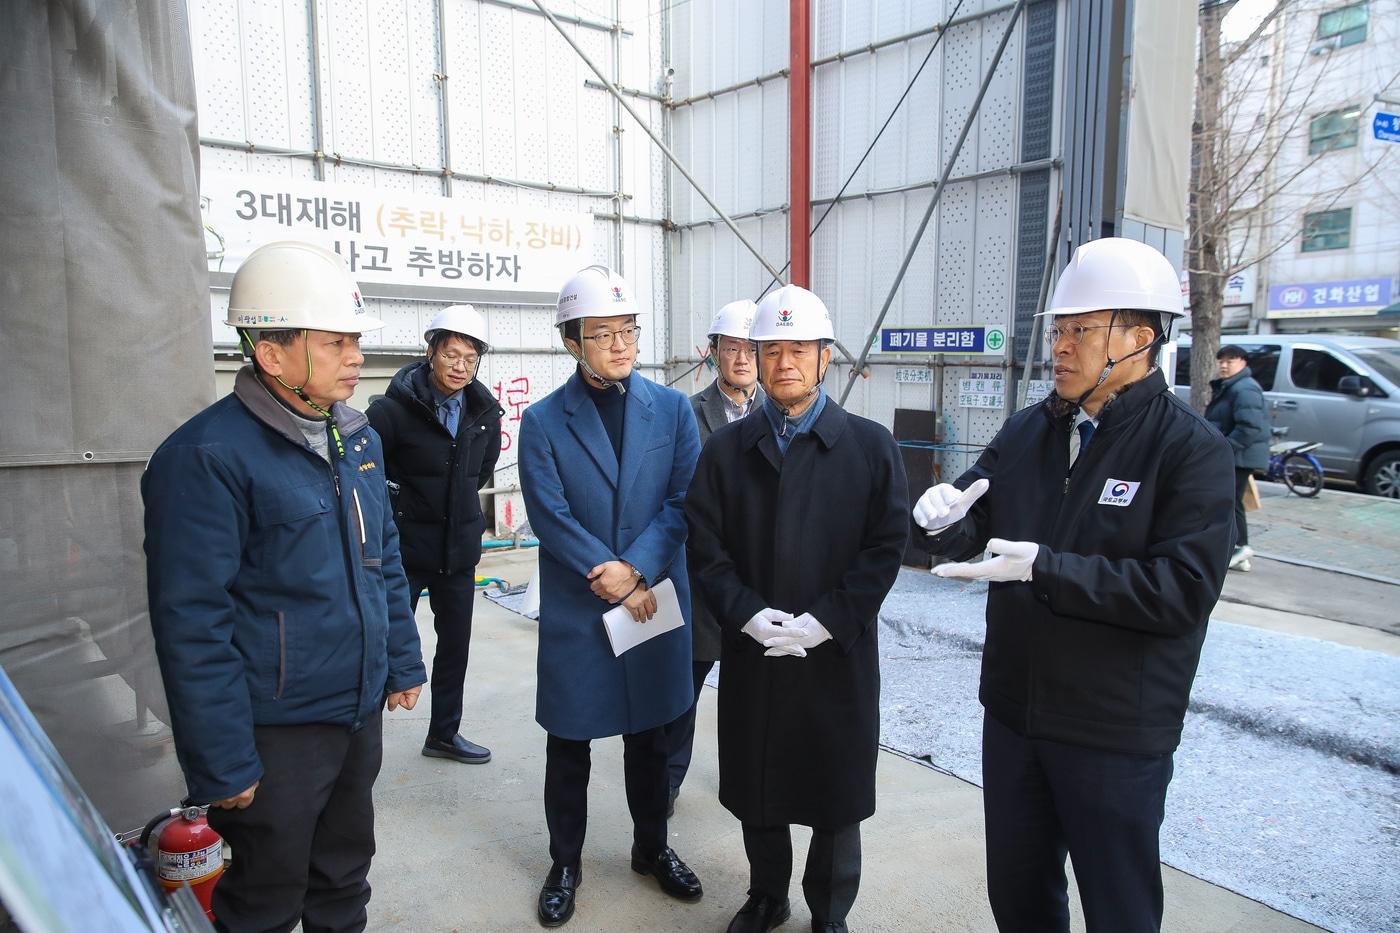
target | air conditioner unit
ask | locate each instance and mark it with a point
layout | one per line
(1323, 46)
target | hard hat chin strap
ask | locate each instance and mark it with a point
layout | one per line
(592, 373)
(787, 409)
(1110, 362)
(300, 391)
(746, 393)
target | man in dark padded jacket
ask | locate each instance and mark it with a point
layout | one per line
(1107, 511)
(441, 430)
(1237, 409)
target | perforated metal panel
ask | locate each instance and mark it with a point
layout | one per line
(518, 109)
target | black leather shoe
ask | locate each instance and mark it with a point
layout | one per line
(457, 749)
(831, 926)
(667, 868)
(760, 914)
(557, 896)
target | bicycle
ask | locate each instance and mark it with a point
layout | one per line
(1293, 462)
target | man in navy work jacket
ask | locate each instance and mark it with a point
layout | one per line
(605, 460)
(798, 521)
(1108, 511)
(441, 431)
(280, 609)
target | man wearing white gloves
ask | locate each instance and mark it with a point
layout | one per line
(1108, 513)
(797, 528)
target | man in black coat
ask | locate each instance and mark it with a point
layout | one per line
(1237, 409)
(441, 430)
(1107, 508)
(798, 524)
(734, 393)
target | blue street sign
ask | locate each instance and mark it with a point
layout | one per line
(978, 339)
(1386, 127)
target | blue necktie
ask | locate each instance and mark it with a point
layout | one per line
(1086, 432)
(451, 415)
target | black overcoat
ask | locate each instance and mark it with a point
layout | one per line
(708, 405)
(821, 530)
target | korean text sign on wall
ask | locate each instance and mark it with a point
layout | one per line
(1322, 299)
(972, 340)
(396, 238)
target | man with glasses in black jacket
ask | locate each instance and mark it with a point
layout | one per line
(1107, 509)
(441, 430)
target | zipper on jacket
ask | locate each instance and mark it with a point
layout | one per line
(281, 655)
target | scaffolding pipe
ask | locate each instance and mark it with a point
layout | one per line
(313, 26)
(665, 150)
(441, 77)
(318, 156)
(799, 143)
(572, 20)
(859, 366)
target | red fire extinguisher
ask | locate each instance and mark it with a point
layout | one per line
(188, 851)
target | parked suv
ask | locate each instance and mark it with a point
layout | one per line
(1341, 391)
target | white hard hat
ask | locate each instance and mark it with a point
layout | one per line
(459, 319)
(290, 285)
(791, 313)
(595, 291)
(1116, 274)
(733, 320)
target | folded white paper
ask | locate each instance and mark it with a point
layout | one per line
(625, 632)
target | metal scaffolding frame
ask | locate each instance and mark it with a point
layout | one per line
(858, 368)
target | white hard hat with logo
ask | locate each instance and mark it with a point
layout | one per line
(791, 313)
(595, 291)
(459, 319)
(1116, 274)
(733, 320)
(291, 285)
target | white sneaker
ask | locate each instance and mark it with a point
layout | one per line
(1241, 555)
(1244, 566)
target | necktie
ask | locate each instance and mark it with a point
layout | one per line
(451, 414)
(1086, 432)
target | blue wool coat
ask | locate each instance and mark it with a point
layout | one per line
(586, 508)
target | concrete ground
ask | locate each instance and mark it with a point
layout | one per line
(1303, 544)
(464, 848)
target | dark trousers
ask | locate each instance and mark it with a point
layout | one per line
(680, 735)
(832, 876)
(566, 769)
(1241, 526)
(451, 596)
(1044, 799)
(302, 849)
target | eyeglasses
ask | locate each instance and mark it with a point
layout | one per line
(1074, 331)
(629, 335)
(733, 352)
(452, 360)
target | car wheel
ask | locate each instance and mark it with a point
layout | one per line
(1383, 475)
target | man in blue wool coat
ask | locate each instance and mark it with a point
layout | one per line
(605, 461)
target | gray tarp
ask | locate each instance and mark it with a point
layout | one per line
(104, 350)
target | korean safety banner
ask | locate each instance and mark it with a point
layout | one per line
(398, 238)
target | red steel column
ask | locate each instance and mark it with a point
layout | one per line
(800, 142)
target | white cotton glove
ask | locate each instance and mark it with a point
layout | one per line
(766, 624)
(1013, 563)
(945, 504)
(799, 636)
